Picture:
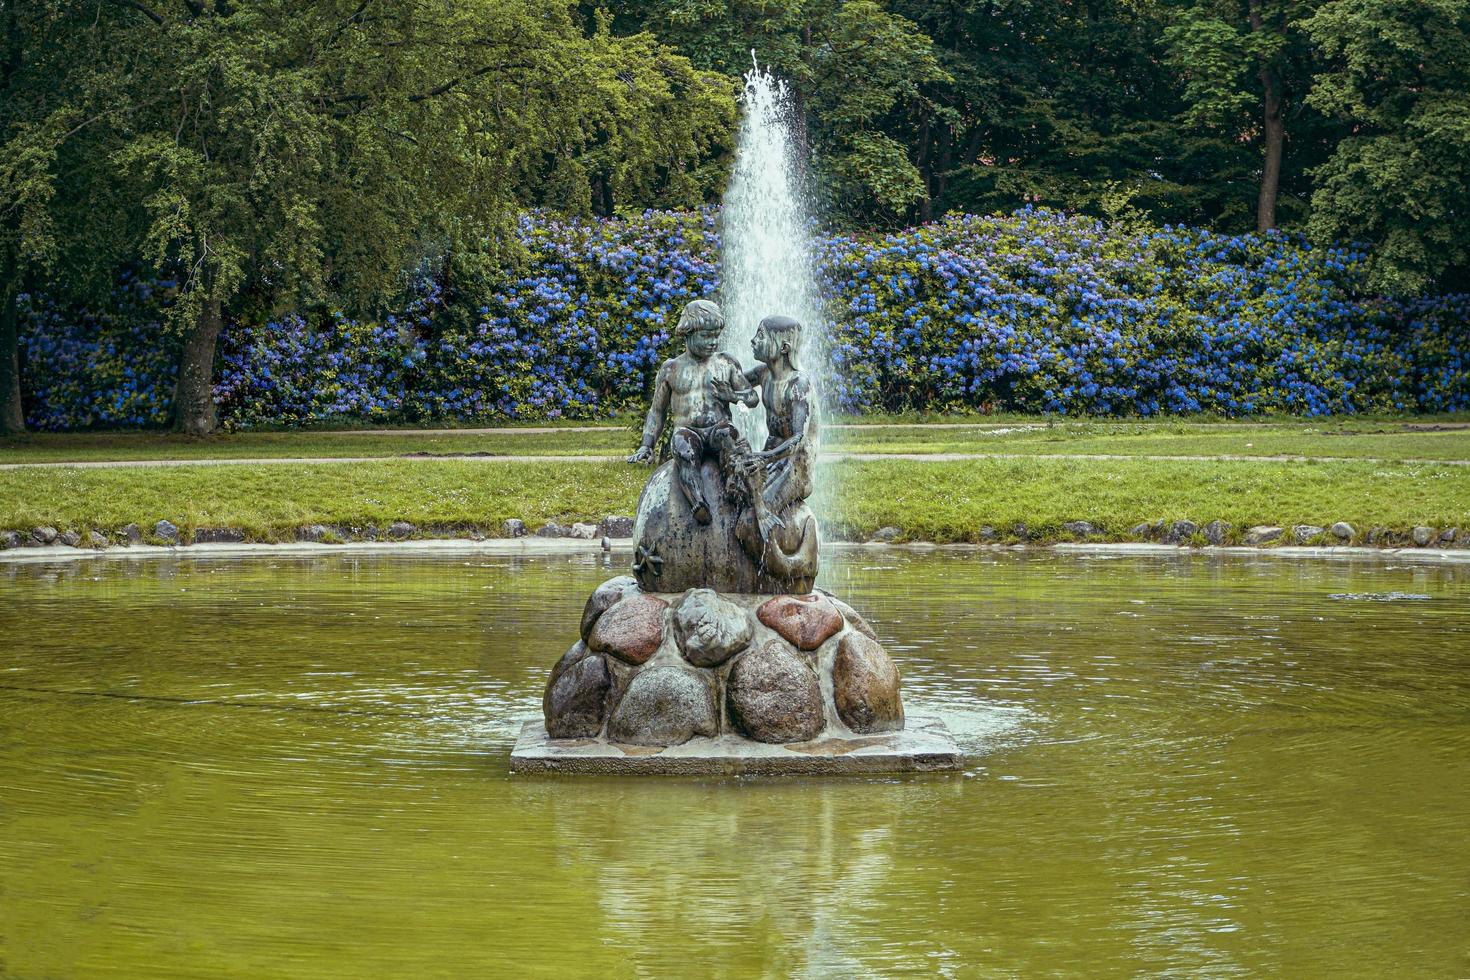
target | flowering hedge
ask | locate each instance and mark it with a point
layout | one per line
(1038, 311)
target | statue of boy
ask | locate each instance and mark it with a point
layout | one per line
(695, 391)
(781, 473)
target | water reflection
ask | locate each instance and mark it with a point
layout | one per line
(1186, 764)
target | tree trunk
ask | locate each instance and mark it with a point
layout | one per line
(12, 419)
(1275, 139)
(194, 412)
(1275, 131)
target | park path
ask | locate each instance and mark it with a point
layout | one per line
(833, 456)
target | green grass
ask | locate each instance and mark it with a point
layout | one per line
(1384, 439)
(935, 501)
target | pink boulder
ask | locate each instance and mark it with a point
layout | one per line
(631, 629)
(804, 621)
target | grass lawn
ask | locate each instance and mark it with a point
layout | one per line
(939, 501)
(1381, 439)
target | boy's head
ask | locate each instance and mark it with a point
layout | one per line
(775, 338)
(700, 325)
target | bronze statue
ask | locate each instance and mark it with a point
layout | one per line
(695, 391)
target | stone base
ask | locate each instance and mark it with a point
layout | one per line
(924, 745)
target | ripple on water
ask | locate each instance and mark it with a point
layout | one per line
(1180, 764)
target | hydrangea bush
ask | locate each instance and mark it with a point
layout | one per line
(1037, 311)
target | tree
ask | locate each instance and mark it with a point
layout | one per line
(306, 153)
(1397, 72)
(851, 64)
(1235, 54)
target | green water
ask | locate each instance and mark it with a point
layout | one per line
(1187, 766)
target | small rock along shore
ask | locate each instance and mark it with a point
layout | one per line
(615, 532)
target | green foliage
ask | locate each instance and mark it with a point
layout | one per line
(1398, 74)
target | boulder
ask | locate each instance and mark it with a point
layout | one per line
(710, 630)
(43, 535)
(1081, 529)
(1305, 532)
(218, 535)
(96, 539)
(582, 532)
(1447, 536)
(575, 702)
(1020, 531)
(865, 686)
(1217, 531)
(665, 705)
(9, 539)
(853, 617)
(1142, 531)
(602, 599)
(1262, 533)
(399, 530)
(167, 530)
(130, 534)
(615, 527)
(1380, 536)
(1180, 532)
(806, 622)
(70, 538)
(884, 535)
(1343, 531)
(513, 528)
(312, 532)
(987, 534)
(1422, 535)
(630, 629)
(774, 696)
(552, 530)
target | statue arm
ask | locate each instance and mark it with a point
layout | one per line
(800, 414)
(657, 413)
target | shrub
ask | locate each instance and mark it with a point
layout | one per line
(1038, 311)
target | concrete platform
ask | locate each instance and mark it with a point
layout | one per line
(924, 745)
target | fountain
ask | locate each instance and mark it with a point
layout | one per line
(716, 655)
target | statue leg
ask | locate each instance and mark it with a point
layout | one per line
(688, 447)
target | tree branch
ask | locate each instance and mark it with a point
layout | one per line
(142, 9)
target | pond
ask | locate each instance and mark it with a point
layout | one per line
(1205, 765)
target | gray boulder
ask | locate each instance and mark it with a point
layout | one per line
(513, 528)
(1081, 529)
(774, 696)
(1447, 536)
(1142, 531)
(1262, 534)
(583, 532)
(615, 527)
(710, 630)
(1305, 532)
(9, 539)
(43, 535)
(312, 532)
(130, 534)
(96, 539)
(1021, 532)
(1342, 531)
(575, 702)
(167, 530)
(552, 530)
(1217, 531)
(884, 535)
(218, 535)
(1180, 531)
(865, 686)
(665, 705)
(1422, 535)
(70, 538)
(401, 529)
(1380, 536)
(987, 533)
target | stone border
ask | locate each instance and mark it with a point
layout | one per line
(571, 546)
(925, 745)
